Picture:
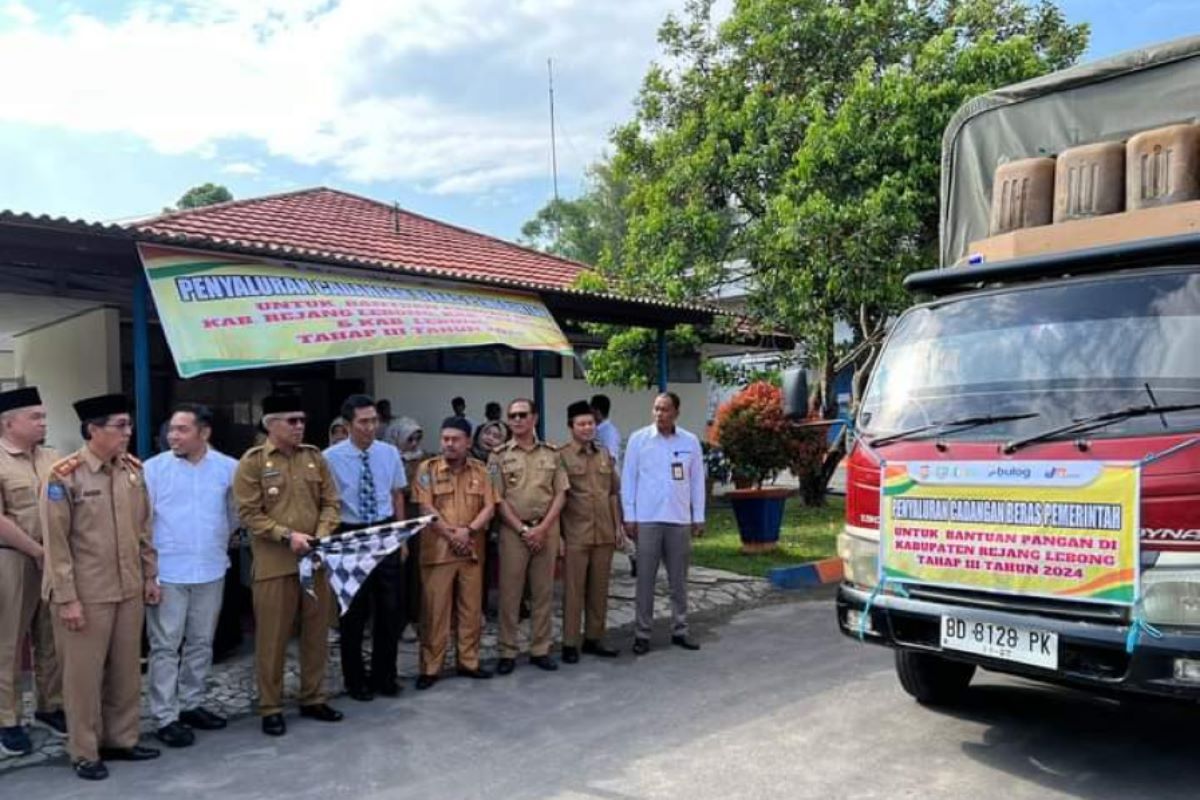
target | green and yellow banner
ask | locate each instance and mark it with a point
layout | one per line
(1066, 530)
(221, 312)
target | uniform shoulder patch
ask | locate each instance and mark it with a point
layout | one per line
(307, 446)
(65, 466)
(423, 478)
(56, 492)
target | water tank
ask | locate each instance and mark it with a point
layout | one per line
(1161, 167)
(1022, 195)
(1089, 181)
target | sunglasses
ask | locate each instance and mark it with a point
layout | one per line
(295, 421)
(519, 414)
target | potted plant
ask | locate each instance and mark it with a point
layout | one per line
(756, 438)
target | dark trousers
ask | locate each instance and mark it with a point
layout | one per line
(381, 600)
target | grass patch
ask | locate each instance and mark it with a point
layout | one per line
(808, 534)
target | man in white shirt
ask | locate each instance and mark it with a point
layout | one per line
(190, 489)
(662, 495)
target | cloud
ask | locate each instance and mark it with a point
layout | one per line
(241, 168)
(351, 85)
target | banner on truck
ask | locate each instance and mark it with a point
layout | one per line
(1060, 529)
(221, 312)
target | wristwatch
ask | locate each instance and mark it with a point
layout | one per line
(524, 529)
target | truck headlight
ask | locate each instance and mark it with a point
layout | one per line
(860, 558)
(1171, 596)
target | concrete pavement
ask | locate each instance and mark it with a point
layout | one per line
(777, 704)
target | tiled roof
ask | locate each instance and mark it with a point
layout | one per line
(26, 219)
(333, 226)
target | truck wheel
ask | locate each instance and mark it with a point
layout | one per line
(932, 680)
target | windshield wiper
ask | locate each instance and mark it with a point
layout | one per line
(964, 423)
(1097, 421)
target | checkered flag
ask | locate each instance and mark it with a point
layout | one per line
(349, 557)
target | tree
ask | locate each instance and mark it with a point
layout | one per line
(589, 229)
(795, 149)
(204, 195)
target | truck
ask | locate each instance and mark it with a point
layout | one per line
(1023, 488)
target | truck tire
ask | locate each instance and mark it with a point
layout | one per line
(932, 680)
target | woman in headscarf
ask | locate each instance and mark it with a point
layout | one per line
(488, 437)
(338, 431)
(406, 434)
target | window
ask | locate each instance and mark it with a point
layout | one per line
(684, 369)
(495, 360)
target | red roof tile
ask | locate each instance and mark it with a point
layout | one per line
(332, 225)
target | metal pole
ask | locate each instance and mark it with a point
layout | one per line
(141, 366)
(539, 393)
(663, 361)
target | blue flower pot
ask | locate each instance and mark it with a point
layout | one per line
(759, 514)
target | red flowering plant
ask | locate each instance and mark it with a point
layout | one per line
(760, 442)
(753, 433)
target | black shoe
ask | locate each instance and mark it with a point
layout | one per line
(321, 713)
(202, 719)
(361, 693)
(544, 662)
(90, 770)
(479, 673)
(273, 725)
(56, 721)
(684, 642)
(594, 648)
(570, 655)
(505, 666)
(14, 741)
(426, 681)
(388, 688)
(641, 647)
(135, 753)
(176, 734)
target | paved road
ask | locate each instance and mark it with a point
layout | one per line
(776, 705)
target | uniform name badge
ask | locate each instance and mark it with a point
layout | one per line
(677, 470)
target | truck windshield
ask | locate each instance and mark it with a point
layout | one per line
(1047, 354)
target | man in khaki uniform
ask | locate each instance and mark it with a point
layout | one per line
(24, 468)
(101, 567)
(531, 484)
(591, 530)
(286, 497)
(458, 490)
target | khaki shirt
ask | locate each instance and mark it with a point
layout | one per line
(277, 493)
(589, 517)
(98, 536)
(528, 479)
(22, 477)
(457, 497)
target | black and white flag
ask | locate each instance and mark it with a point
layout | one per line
(349, 557)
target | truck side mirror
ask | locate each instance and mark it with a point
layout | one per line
(795, 393)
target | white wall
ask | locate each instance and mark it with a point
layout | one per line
(68, 361)
(8, 365)
(426, 397)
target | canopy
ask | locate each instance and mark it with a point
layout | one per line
(221, 312)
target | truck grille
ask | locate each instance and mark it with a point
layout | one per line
(1060, 609)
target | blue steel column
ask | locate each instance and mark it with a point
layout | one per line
(662, 359)
(539, 393)
(141, 366)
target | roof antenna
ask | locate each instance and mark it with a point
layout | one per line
(553, 144)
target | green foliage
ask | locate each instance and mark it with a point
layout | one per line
(629, 359)
(794, 149)
(588, 229)
(808, 534)
(204, 195)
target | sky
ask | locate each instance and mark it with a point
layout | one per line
(110, 110)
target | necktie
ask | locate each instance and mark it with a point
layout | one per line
(366, 490)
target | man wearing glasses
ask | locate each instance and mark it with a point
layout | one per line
(531, 487)
(101, 567)
(286, 497)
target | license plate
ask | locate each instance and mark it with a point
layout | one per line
(1005, 642)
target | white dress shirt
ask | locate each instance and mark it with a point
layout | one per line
(194, 514)
(387, 471)
(608, 435)
(663, 477)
